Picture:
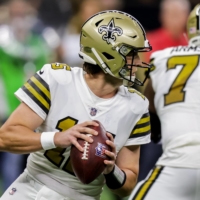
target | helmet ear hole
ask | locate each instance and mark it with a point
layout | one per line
(108, 56)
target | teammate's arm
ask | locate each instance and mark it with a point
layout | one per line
(17, 134)
(154, 120)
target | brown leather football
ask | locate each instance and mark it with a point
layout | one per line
(88, 165)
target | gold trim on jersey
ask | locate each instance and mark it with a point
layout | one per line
(142, 127)
(145, 187)
(38, 90)
(153, 67)
(131, 90)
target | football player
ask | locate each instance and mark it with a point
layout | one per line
(174, 92)
(59, 102)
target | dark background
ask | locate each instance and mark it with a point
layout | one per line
(57, 12)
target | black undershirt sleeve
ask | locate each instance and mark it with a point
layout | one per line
(155, 128)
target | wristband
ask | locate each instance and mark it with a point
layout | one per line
(116, 178)
(47, 140)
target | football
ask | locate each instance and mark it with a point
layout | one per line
(88, 165)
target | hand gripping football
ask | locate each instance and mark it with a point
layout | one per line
(88, 165)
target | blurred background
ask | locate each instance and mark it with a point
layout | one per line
(35, 32)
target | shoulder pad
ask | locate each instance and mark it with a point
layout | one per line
(160, 53)
(60, 72)
(139, 103)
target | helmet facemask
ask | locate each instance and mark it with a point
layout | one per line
(130, 79)
(126, 72)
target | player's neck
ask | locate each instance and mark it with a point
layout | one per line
(100, 86)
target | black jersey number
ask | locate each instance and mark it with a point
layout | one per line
(55, 156)
(176, 92)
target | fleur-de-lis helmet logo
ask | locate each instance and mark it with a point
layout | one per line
(109, 30)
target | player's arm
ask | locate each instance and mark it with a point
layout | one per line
(154, 120)
(128, 161)
(122, 171)
(17, 134)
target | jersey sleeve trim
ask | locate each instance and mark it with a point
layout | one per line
(38, 90)
(23, 97)
(142, 127)
(138, 140)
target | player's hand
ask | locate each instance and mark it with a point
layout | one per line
(66, 138)
(112, 154)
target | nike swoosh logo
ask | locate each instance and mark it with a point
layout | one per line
(41, 72)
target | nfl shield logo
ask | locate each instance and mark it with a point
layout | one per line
(93, 111)
(100, 150)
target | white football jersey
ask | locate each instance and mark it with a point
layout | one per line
(60, 96)
(176, 82)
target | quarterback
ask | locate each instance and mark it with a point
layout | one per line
(174, 92)
(60, 101)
